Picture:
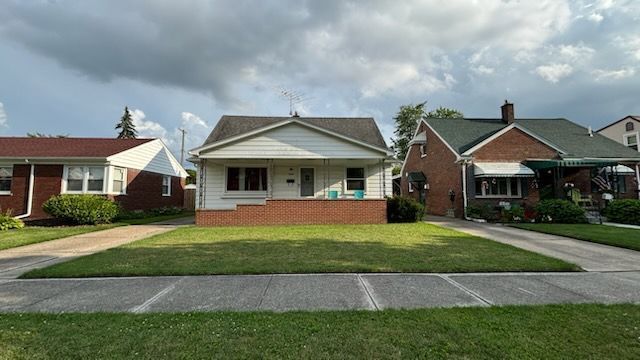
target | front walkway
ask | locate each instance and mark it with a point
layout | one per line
(17, 261)
(314, 292)
(589, 256)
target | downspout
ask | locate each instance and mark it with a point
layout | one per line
(464, 190)
(638, 178)
(30, 194)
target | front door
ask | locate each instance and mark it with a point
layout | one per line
(307, 181)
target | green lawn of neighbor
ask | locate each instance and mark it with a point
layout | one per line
(523, 332)
(416, 247)
(153, 219)
(31, 235)
(603, 234)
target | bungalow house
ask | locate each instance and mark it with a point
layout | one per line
(137, 173)
(453, 163)
(625, 131)
(292, 170)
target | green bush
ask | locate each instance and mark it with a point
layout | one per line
(143, 214)
(624, 211)
(513, 214)
(482, 211)
(81, 209)
(7, 221)
(559, 211)
(404, 209)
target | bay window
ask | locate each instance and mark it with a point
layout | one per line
(246, 179)
(6, 175)
(498, 187)
(355, 179)
(84, 179)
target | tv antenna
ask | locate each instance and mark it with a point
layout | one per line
(294, 98)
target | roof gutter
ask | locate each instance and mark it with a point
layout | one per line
(30, 194)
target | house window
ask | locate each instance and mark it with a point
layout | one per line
(119, 176)
(6, 174)
(85, 179)
(355, 179)
(166, 185)
(621, 184)
(423, 150)
(631, 141)
(499, 187)
(628, 126)
(246, 179)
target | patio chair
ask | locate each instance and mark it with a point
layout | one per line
(579, 199)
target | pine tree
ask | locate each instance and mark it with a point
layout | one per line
(128, 129)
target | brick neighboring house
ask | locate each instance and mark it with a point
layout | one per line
(137, 173)
(292, 170)
(454, 163)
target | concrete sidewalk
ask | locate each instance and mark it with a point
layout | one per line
(589, 256)
(16, 261)
(314, 292)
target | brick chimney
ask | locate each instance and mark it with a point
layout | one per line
(507, 112)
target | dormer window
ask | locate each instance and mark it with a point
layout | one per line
(628, 126)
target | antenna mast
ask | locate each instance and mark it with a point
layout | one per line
(294, 98)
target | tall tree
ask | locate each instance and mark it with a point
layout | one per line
(445, 113)
(128, 129)
(406, 121)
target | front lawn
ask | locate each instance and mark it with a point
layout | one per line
(603, 234)
(526, 332)
(154, 219)
(31, 235)
(416, 247)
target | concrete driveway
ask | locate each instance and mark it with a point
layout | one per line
(589, 256)
(17, 261)
(314, 292)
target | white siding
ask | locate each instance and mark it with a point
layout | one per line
(327, 177)
(292, 141)
(152, 156)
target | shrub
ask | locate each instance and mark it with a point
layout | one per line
(624, 211)
(513, 214)
(404, 209)
(7, 221)
(559, 211)
(143, 214)
(81, 209)
(482, 211)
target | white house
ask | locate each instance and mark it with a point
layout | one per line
(292, 170)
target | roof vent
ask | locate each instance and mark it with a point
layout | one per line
(507, 112)
(590, 131)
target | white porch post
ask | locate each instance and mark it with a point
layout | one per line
(270, 169)
(202, 186)
(638, 178)
(324, 178)
(384, 178)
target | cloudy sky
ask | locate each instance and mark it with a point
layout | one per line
(70, 67)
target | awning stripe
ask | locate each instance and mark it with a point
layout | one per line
(502, 169)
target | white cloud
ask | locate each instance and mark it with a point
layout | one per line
(554, 72)
(601, 74)
(575, 53)
(3, 116)
(595, 17)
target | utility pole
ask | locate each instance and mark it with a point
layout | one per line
(183, 131)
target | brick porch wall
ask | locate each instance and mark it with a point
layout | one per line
(298, 212)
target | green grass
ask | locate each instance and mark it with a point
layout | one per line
(603, 234)
(153, 219)
(525, 332)
(36, 234)
(416, 247)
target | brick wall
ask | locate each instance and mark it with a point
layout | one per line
(514, 145)
(442, 173)
(19, 189)
(144, 191)
(298, 212)
(47, 183)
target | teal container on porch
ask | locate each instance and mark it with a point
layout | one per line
(333, 194)
(358, 194)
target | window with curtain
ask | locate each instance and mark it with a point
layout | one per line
(85, 179)
(498, 187)
(355, 179)
(6, 175)
(246, 179)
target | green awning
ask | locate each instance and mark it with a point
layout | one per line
(547, 164)
(416, 177)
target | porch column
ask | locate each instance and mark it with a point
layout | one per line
(202, 180)
(638, 178)
(270, 169)
(325, 175)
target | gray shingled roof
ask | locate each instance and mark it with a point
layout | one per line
(463, 134)
(361, 129)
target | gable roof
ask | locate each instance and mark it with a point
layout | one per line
(574, 140)
(42, 147)
(633, 117)
(364, 130)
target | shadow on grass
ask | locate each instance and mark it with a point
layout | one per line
(308, 255)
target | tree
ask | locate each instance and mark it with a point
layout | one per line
(191, 179)
(406, 121)
(445, 113)
(128, 129)
(42, 135)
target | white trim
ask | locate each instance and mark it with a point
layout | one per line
(404, 162)
(32, 180)
(85, 180)
(168, 185)
(364, 179)
(458, 157)
(638, 178)
(509, 194)
(506, 129)
(300, 181)
(175, 164)
(625, 138)
(111, 179)
(198, 150)
(8, 192)
(239, 193)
